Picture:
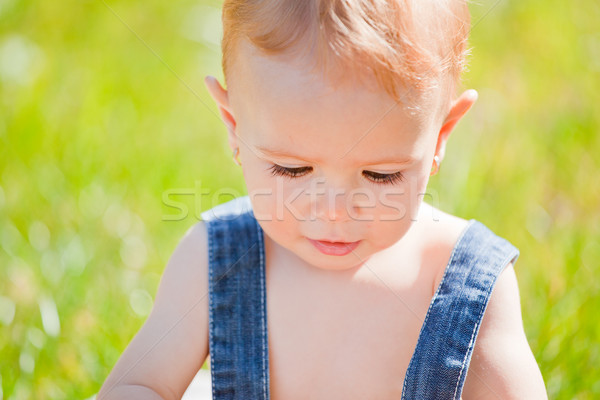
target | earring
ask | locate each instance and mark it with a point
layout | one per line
(236, 156)
(436, 167)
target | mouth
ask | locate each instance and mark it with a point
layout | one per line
(334, 248)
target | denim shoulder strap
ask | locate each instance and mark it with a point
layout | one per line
(439, 364)
(238, 341)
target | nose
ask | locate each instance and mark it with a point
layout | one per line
(330, 204)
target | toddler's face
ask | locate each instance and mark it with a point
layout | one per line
(342, 165)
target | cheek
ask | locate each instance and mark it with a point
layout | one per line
(271, 198)
(254, 175)
(275, 216)
(394, 215)
(398, 202)
(386, 233)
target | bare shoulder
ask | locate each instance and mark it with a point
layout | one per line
(172, 344)
(188, 265)
(502, 364)
(440, 232)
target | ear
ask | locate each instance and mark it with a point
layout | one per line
(459, 108)
(221, 97)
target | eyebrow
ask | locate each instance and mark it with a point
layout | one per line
(387, 160)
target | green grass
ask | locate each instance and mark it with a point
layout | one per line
(95, 127)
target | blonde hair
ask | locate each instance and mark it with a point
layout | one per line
(402, 43)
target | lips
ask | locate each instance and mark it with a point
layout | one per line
(334, 248)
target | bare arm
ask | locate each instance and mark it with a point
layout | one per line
(502, 365)
(172, 345)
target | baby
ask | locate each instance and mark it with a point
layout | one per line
(333, 279)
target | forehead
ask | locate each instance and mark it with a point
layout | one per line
(278, 104)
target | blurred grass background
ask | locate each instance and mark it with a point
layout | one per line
(104, 111)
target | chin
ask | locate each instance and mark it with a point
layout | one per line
(336, 266)
(334, 263)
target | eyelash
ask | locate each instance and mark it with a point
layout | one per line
(382, 179)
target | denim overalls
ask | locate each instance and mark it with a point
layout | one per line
(238, 337)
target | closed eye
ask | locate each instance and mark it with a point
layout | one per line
(375, 177)
(389, 179)
(278, 170)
